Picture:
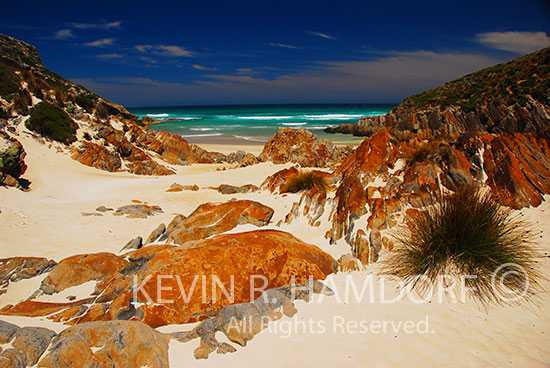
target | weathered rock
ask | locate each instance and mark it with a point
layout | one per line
(94, 155)
(210, 219)
(213, 267)
(517, 168)
(19, 268)
(7, 331)
(135, 243)
(241, 322)
(231, 189)
(348, 263)
(79, 269)
(178, 188)
(302, 147)
(103, 209)
(32, 342)
(155, 234)
(108, 344)
(138, 210)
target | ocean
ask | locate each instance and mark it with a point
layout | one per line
(256, 123)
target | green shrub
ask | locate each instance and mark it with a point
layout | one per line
(466, 233)
(306, 181)
(9, 161)
(9, 81)
(50, 121)
(87, 102)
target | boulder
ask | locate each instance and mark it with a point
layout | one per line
(32, 342)
(210, 219)
(20, 268)
(135, 243)
(231, 189)
(165, 284)
(108, 344)
(155, 234)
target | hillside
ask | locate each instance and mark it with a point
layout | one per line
(506, 98)
(70, 118)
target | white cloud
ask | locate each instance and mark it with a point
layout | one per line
(101, 26)
(283, 45)
(110, 56)
(387, 78)
(323, 35)
(202, 67)
(101, 42)
(165, 50)
(518, 42)
(63, 34)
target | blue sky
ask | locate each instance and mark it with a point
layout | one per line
(145, 53)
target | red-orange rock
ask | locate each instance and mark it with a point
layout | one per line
(19, 268)
(302, 147)
(210, 219)
(518, 169)
(159, 273)
(94, 155)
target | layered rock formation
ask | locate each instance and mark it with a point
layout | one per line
(12, 162)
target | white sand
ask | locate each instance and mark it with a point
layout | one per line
(48, 222)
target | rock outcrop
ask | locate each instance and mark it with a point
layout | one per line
(12, 162)
(243, 265)
(303, 148)
(211, 219)
(20, 268)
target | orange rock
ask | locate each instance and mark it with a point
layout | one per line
(108, 344)
(94, 155)
(210, 219)
(79, 269)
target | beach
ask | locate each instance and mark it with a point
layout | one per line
(51, 221)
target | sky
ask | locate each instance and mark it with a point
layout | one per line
(161, 53)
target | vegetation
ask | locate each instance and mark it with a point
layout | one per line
(467, 233)
(512, 83)
(306, 181)
(50, 121)
(429, 152)
(9, 81)
(87, 102)
(9, 161)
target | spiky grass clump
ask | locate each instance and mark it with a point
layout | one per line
(306, 181)
(431, 152)
(467, 233)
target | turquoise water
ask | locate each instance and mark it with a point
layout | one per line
(255, 123)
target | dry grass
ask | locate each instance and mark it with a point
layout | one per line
(306, 181)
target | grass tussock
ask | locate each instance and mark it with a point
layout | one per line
(306, 181)
(467, 233)
(430, 152)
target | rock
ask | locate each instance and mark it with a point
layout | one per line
(138, 210)
(108, 344)
(241, 322)
(178, 187)
(231, 189)
(210, 219)
(135, 243)
(20, 268)
(13, 358)
(7, 330)
(348, 263)
(155, 234)
(76, 270)
(32, 341)
(265, 259)
(302, 147)
(517, 168)
(103, 209)
(12, 162)
(94, 155)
